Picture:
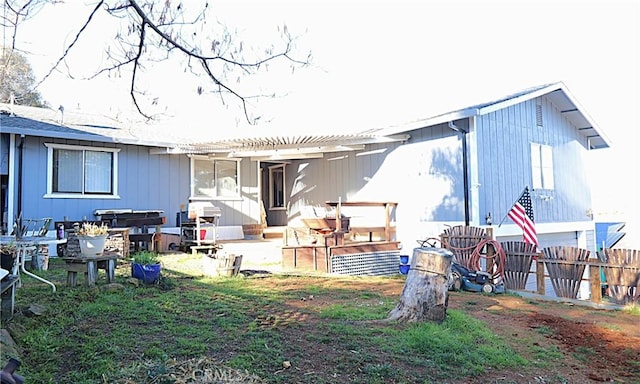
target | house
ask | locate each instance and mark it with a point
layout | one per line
(462, 167)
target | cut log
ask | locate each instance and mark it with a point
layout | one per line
(426, 292)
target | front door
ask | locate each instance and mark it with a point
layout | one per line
(274, 195)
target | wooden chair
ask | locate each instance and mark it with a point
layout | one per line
(519, 257)
(565, 268)
(462, 241)
(32, 227)
(623, 276)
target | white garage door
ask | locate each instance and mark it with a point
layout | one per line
(549, 239)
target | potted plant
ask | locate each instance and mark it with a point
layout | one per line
(92, 238)
(8, 256)
(145, 266)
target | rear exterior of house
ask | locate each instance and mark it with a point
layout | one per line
(456, 168)
(536, 139)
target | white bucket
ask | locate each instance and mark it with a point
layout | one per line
(92, 245)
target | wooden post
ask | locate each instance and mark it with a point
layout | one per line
(594, 279)
(91, 275)
(387, 221)
(111, 270)
(540, 276)
(157, 239)
(491, 251)
(426, 293)
(339, 216)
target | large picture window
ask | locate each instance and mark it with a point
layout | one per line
(542, 166)
(215, 178)
(76, 171)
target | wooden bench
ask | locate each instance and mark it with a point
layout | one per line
(89, 266)
(386, 207)
(209, 249)
(8, 295)
(139, 236)
(388, 232)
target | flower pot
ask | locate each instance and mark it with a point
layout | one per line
(7, 260)
(92, 245)
(148, 273)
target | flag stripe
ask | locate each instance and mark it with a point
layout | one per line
(522, 215)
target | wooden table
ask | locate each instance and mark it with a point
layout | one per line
(89, 265)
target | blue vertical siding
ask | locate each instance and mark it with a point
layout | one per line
(145, 181)
(504, 162)
(4, 154)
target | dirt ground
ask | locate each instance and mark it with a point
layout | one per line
(598, 346)
(597, 339)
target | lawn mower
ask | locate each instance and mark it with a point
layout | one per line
(473, 281)
(462, 278)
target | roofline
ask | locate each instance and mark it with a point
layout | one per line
(81, 137)
(501, 104)
(392, 133)
(594, 126)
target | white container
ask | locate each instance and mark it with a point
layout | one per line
(92, 245)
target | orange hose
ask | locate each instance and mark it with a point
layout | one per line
(500, 258)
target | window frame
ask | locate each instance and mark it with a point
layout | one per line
(542, 176)
(277, 168)
(201, 197)
(51, 147)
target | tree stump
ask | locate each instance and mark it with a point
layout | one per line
(426, 291)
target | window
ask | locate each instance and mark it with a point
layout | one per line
(542, 166)
(81, 172)
(214, 178)
(276, 187)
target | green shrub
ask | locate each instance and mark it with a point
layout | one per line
(145, 257)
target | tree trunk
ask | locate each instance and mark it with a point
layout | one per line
(426, 292)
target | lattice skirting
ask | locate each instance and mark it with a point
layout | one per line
(367, 264)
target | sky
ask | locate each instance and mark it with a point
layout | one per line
(377, 63)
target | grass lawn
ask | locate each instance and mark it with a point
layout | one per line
(272, 328)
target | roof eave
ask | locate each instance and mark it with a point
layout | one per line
(82, 137)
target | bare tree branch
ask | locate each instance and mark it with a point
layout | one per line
(159, 26)
(75, 40)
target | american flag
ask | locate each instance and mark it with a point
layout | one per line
(522, 214)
